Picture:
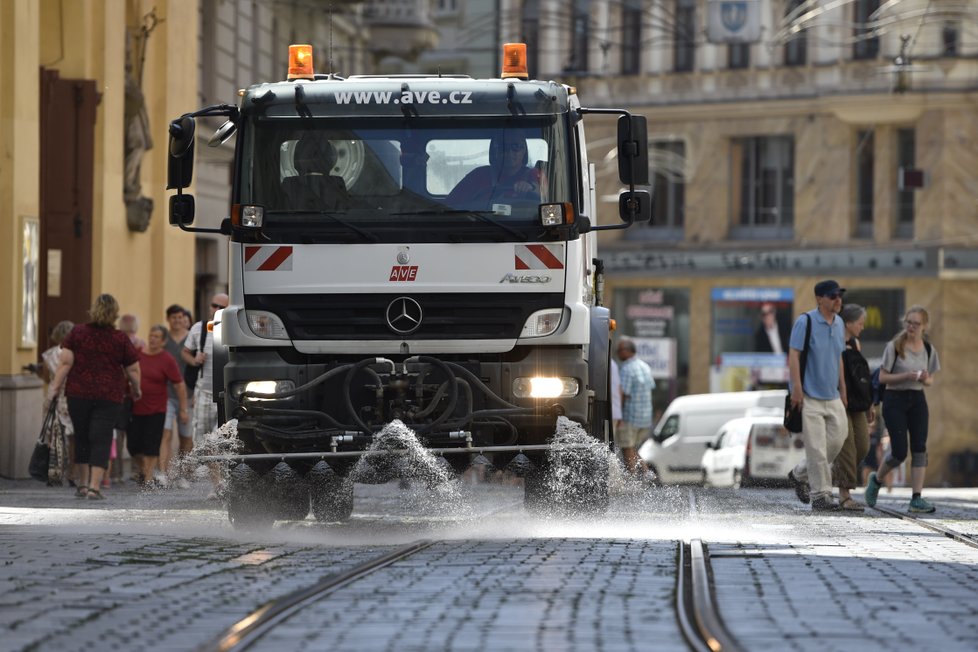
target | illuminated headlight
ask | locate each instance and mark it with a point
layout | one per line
(261, 387)
(544, 387)
(556, 214)
(267, 325)
(542, 322)
(252, 217)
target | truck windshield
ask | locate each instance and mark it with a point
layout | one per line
(404, 180)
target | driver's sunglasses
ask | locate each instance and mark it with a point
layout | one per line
(217, 306)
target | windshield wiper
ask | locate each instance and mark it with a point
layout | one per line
(482, 215)
(366, 235)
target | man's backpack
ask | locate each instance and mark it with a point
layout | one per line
(879, 389)
(190, 372)
(859, 382)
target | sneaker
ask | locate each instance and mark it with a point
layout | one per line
(106, 483)
(921, 506)
(802, 489)
(182, 483)
(824, 504)
(872, 490)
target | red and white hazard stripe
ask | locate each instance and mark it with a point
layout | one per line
(267, 259)
(540, 256)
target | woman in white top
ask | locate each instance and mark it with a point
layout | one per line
(909, 364)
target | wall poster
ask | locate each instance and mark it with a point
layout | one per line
(657, 319)
(30, 259)
(751, 328)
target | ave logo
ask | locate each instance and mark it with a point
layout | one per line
(404, 273)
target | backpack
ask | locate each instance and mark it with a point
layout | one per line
(859, 382)
(879, 389)
(190, 372)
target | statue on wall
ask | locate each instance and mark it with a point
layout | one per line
(138, 138)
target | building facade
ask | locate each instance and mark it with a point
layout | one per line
(790, 141)
(82, 178)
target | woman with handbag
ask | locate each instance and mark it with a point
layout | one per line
(52, 358)
(89, 372)
(908, 366)
(859, 409)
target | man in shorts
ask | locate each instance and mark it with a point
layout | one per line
(636, 408)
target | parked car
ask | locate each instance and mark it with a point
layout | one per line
(753, 450)
(675, 448)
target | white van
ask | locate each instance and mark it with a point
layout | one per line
(675, 449)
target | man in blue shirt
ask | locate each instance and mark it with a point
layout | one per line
(636, 406)
(821, 395)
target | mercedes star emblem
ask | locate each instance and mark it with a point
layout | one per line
(404, 315)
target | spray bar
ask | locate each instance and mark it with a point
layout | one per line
(399, 451)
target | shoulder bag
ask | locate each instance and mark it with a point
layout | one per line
(792, 414)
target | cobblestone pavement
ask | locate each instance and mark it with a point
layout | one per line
(164, 570)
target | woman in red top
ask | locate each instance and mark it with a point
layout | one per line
(157, 368)
(89, 370)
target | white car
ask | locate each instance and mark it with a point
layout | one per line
(751, 451)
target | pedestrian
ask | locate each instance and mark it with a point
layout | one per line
(179, 323)
(158, 371)
(908, 366)
(636, 406)
(93, 356)
(820, 394)
(51, 358)
(204, 408)
(128, 324)
(859, 409)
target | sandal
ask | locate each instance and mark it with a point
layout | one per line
(81, 491)
(850, 505)
(95, 494)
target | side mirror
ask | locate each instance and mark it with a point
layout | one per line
(709, 445)
(181, 210)
(180, 163)
(633, 150)
(635, 206)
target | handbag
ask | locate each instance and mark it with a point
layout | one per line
(792, 414)
(41, 457)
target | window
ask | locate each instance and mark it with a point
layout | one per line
(738, 56)
(631, 37)
(905, 198)
(580, 35)
(763, 186)
(684, 42)
(866, 46)
(864, 183)
(531, 36)
(667, 160)
(950, 38)
(795, 50)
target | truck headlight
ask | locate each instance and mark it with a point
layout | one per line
(261, 387)
(267, 325)
(542, 322)
(545, 387)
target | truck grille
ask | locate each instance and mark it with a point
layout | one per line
(444, 316)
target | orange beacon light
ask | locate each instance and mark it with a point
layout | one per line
(514, 61)
(300, 62)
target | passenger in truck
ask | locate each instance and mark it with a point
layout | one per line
(315, 188)
(507, 178)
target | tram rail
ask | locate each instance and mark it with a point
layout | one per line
(247, 631)
(961, 537)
